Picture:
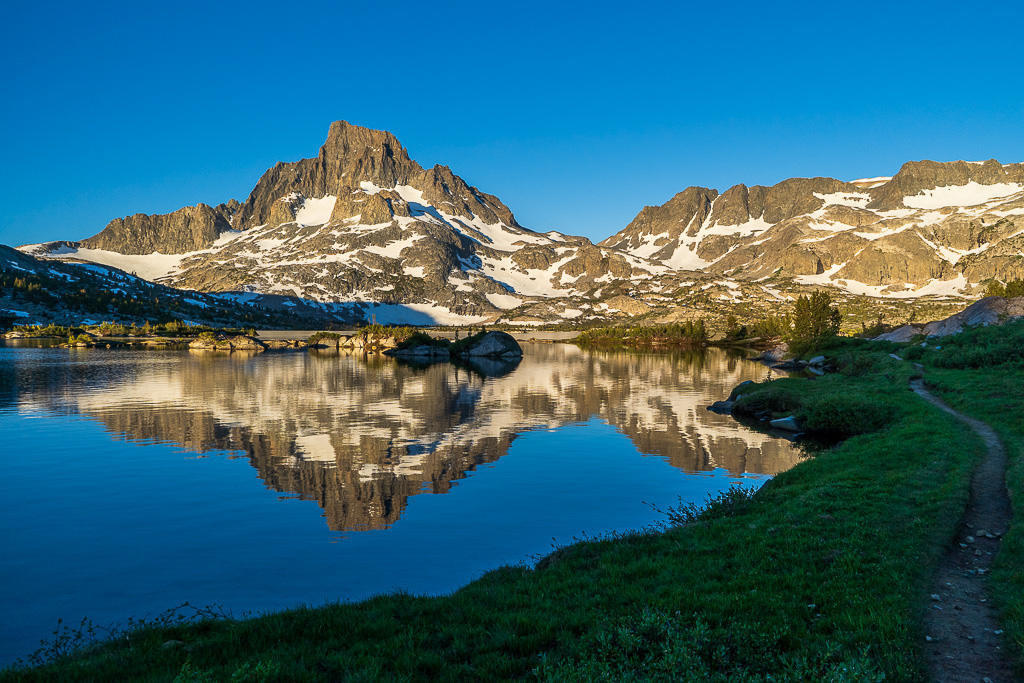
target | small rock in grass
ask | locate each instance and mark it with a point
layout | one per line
(936, 597)
(970, 539)
(787, 423)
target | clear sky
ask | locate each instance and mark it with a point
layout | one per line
(575, 114)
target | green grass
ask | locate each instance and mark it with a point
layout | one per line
(864, 395)
(821, 576)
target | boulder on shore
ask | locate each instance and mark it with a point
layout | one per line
(787, 423)
(493, 344)
(773, 355)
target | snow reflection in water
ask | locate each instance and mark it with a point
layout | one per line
(135, 480)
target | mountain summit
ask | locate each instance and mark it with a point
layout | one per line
(361, 229)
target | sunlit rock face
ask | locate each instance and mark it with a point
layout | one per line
(933, 228)
(361, 435)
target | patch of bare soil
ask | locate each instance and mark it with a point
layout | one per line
(964, 640)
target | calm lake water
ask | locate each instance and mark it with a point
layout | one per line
(132, 481)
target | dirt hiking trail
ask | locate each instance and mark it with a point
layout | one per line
(964, 640)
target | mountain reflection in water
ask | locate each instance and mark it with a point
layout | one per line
(360, 436)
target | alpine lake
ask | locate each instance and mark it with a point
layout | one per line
(132, 481)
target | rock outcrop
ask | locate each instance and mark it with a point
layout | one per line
(493, 344)
(917, 177)
(992, 310)
(420, 351)
(189, 229)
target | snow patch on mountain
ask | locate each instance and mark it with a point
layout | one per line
(857, 200)
(755, 226)
(147, 266)
(871, 183)
(316, 211)
(504, 301)
(970, 194)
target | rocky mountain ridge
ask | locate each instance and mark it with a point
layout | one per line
(933, 228)
(362, 231)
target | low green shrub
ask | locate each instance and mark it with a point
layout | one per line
(773, 399)
(1013, 288)
(318, 337)
(846, 414)
(418, 338)
(914, 353)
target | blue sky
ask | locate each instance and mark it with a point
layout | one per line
(575, 115)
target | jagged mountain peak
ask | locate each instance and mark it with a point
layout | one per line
(363, 222)
(345, 140)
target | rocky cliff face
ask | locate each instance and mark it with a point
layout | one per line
(188, 229)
